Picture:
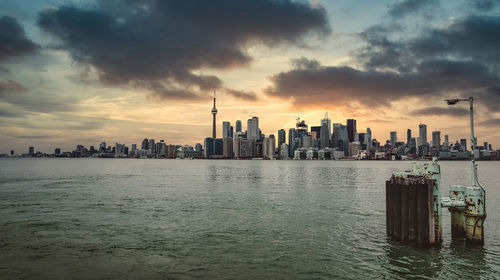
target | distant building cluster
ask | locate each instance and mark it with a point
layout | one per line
(326, 141)
(331, 141)
(148, 149)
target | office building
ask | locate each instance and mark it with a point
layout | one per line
(422, 133)
(316, 131)
(281, 139)
(436, 139)
(238, 126)
(325, 132)
(292, 135)
(253, 131)
(228, 147)
(227, 130)
(408, 137)
(394, 138)
(209, 147)
(351, 129)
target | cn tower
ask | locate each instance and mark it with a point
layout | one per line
(214, 112)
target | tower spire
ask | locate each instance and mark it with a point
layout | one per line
(214, 112)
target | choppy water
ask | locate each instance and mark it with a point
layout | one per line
(184, 219)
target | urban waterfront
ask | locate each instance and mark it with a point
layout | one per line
(182, 219)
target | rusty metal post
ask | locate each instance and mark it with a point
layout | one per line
(474, 215)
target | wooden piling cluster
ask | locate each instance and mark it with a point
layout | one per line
(410, 212)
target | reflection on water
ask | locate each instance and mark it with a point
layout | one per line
(161, 219)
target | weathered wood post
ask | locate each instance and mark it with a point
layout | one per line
(413, 206)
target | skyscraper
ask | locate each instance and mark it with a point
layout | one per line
(408, 137)
(209, 147)
(292, 134)
(351, 129)
(325, 132)
(394, 138)
(226, 130)
(436, 139)
(368, 139)
(281, 139)
(31, 150)
(253, 131)
(214, 112)
(238, 126)
(422, 133)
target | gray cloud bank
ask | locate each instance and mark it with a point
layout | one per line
(13, 40)
(460, 59)
(158, 45)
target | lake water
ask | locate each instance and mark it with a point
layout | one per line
(185, 219)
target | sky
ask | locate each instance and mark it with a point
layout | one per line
(83, 72)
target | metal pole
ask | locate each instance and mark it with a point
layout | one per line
(473, 142)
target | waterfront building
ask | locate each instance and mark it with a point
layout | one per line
(218, 147)
(236, 147)
(57, 151)
(228, 147)
(284, 151)
(351, 129)
(31, 150)
(209, 147)
(172, 151)
(354, 148)
(325, 154)
(246, 148)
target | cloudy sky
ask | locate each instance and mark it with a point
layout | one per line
(82, 72)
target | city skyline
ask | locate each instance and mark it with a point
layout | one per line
(357, 60)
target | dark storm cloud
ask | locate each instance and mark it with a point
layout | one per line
(243, 95)
(471, 38)
(13, 40)
(341, 85)
(461, 59)
(407, 7)
(165, 41)
(483, 5)
(441, 111)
